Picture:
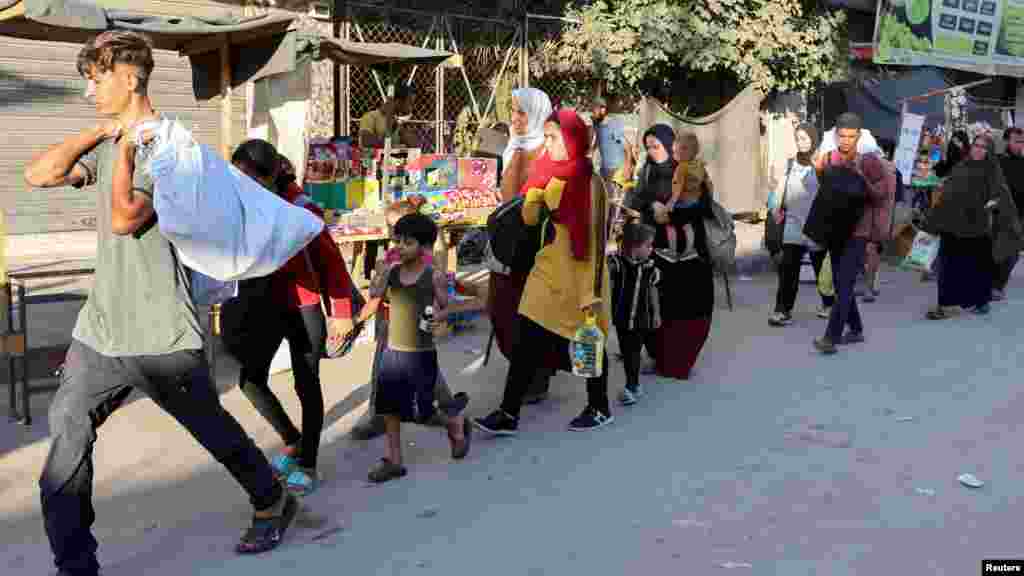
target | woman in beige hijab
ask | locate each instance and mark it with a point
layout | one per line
(530, 109)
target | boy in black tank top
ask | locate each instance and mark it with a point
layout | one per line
(408, 368)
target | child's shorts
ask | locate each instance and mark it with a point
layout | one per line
(406, 383)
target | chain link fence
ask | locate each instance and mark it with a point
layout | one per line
(476, 94)
(366, 90)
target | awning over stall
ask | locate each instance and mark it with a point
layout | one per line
(76, 21)
(287, 52)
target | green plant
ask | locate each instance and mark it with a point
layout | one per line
(697, 54)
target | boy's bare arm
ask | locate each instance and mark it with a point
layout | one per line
(57, 166)
(441, 290)
(130, 208)
(377, 288)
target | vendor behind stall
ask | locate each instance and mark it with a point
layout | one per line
(375, 125)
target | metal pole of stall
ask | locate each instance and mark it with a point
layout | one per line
(336, 33)
(225, 96)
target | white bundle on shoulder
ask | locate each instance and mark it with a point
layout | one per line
(866, 145)
(222, 223)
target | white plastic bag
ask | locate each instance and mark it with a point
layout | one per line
(222, 223)
(923, 253)
(207, 291)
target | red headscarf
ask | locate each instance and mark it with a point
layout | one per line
(574, 209)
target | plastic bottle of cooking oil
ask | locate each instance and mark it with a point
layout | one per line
(586, 350)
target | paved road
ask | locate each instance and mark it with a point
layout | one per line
(772, 460)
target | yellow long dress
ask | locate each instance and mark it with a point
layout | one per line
(560, 287)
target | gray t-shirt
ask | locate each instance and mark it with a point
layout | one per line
(140, 303)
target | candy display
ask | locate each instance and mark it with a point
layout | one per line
(344, 180)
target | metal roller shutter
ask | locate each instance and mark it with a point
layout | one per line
(41, 103)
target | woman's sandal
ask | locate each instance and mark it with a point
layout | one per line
(386, 470)
(265, 534)
(283, 465)
(302, 482)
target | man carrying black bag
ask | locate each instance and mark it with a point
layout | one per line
(841, 219)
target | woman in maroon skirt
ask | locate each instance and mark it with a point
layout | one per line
(687, 288)
(530, 108)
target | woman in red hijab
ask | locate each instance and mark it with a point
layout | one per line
(568, 280)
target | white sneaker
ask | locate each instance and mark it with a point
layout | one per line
(780, 319)
(824, 312)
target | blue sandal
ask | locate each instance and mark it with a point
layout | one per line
(283, 465)
(302, 482)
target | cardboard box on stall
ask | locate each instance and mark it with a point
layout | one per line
(435, 172)
(903, 239)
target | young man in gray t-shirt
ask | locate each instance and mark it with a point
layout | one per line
(140, 327)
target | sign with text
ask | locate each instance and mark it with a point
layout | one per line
(907, 148)
(982, 36)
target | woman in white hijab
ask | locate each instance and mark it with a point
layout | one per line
(531, 108)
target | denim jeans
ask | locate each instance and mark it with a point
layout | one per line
(92, 387)
(847, 262)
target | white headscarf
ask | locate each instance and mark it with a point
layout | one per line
(538, 108)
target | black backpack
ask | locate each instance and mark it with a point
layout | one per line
(512, 243)
(839, 205)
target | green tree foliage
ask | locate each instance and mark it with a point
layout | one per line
(697, 54)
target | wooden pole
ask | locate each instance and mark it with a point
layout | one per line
(943, 91)
(3, 250)
(524, 57)
(5, 298)
(226, 124)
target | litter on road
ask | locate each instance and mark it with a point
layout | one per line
(970, 480)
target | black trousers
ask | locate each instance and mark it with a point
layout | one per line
(536, 343)
(92, 387)
(789, 276)
(632, 343)
(305, 329)
(1003, 271)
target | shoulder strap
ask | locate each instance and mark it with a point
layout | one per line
(785, 186)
